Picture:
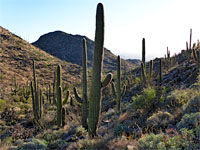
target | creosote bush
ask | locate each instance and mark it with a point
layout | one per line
(189, 121)
(159, 119)
(145, 100)
(193, 105)
(122, 128)
(185, 140)
(178, 98)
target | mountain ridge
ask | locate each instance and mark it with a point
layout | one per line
(68, 47)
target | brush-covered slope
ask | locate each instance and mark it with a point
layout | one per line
(16, 58)
(68, 47)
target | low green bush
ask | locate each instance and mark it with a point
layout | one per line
(184, 140)
(2, 104)
(122, 128)
(193, 105)
(189, 121)
(178, 98)
(145, 100)
(159, 119)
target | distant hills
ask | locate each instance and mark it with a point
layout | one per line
(68, 47)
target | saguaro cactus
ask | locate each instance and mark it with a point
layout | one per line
(35, 95)
(59, 95)
(84, 99)
(120, 93)
(160, 71)
(96, 85)
(190, 39)
(150, 70)
(143, 74)
(143, 53)
(54, 88)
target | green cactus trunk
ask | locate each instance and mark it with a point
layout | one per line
(85, 101)
(95, 89)
(118, 83)
(143, 53)
(54, 89)
(33, 101)
(59, 96)
(63, 117)
(160, 72)
(190, 39)
(36, 100)
(143, 74)
(198, 60)
(150, 69)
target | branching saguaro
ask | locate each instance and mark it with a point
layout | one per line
(84, 99)
(96, 85)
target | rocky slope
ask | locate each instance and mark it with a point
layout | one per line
(68, 47)
(16, 59)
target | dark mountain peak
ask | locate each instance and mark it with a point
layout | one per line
(68, 47)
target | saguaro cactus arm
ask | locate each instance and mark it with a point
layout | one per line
(66, 98)
(113, 90)
(123, 91)
(77, 97)
(107, 80)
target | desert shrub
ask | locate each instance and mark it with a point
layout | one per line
(145, 100)
(193, 105)
(2, 104)
(10, 116)
(161, 94)
(159, 119)
(178, 98)
(34, 144)
(189, 121)
(19, 132)
(136, 81)
(52, 136)
(122, 129)
(16, 98)
(162, 141)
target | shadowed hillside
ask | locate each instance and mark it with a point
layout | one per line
(68, 47)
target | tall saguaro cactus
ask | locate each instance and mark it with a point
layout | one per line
(84, 99)
(96, 85)
(190, 39)
(59, 95)
(35, 95)
(160, 71)
(119, 93)
(143, 52)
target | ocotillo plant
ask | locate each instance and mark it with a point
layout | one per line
(84, 99)
(119, 93)
(96, 85)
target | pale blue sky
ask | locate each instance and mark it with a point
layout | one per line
(162, 22)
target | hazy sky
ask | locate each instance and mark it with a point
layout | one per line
(161, 22)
